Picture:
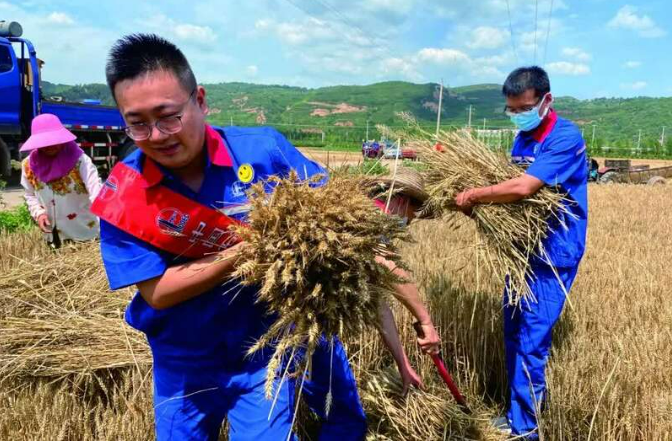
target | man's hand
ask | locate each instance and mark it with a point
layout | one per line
(409, 378)
(182, 282)
(465, 201)
(386, 262)
(43, 223)
(234, 250)
(430, 341)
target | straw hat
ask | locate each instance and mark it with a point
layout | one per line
(407, 182)
(47, 130)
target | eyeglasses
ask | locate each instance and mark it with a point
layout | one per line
(511, 112)
(166, 125)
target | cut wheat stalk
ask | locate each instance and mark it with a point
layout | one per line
(312, 251)
(58, 319)
(512, 234)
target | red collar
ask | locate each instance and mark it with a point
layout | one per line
(541, 132)
(218, 153)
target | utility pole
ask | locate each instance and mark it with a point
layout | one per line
(469, 122)
(662, 138)
(592, 141)
(367, 129)
(231, 121)
(484, 120)
(639, 139)
(438, 114)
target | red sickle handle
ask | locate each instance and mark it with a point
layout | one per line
(438, 361)
(441, 367)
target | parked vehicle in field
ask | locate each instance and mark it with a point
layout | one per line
(623, 171)
(372, 149)
(99, 129)
(391, 151)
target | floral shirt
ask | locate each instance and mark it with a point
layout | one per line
(66, 201)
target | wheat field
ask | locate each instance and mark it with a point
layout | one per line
(610, 376)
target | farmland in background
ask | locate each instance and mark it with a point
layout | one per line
(609, 375)
(337, 116)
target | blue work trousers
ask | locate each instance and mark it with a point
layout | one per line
(191, 400)
(528, 331)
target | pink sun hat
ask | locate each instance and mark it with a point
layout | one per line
(47, 130)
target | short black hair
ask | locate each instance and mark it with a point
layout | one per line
(529, 77)
(137, 54)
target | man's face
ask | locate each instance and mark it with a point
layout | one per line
(527, 101)
(52, 151)
(157, 95)
(412, 209)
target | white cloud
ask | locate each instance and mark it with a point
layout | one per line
(457, 64)
(567, 68)
(442, 56)
(636, 86)
(60, 18)
(627, 18)
(314, 31)
(198, 34)
(406, 68)
(632, 64)
(486, 37)
(252, 70)
(576, 54)
(263, 24)
(497, 60)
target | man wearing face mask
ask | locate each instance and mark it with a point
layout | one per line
(553, 153)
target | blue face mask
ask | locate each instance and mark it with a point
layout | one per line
(529, 120)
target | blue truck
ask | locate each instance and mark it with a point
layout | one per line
(99, 129)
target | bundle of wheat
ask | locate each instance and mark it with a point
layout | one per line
(312, 251)
(58, 318)
(510, 234)
(428, 415)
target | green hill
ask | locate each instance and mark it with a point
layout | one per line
(342, 112)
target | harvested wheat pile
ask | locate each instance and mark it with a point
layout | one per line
(58, 318)
(21, 247)
(428, 415)
(313, 253)
(510, 234)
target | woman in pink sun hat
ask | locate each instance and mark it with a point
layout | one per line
(60, 183)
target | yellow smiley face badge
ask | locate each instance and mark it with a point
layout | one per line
(245, 173)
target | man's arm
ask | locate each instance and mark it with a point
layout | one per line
(508, 191)
(557, 162)
(409, 296)
(390, 335)
(185, 281)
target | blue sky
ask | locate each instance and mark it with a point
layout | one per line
(595, 48)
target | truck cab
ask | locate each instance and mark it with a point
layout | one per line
(99, 129)
(10, 91)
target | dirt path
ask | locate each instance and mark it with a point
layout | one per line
(331, 158)
(12, 197)
(637, 162)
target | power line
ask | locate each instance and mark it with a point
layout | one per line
(536, 27)
(341, 17)
(548, 30)
(513, 43)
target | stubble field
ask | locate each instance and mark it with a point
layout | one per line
(609, 377)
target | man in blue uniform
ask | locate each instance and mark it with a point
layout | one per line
(164, 213)
(553, 153)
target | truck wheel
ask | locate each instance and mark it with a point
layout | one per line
(610, 177)
(656, 180)
(5, 161)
